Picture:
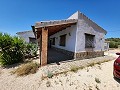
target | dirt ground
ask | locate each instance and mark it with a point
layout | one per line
(98, 77)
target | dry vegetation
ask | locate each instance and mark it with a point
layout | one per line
(73, 69)
(76, 68)
(25, 69)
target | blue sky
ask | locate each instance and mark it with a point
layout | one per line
(19, 15)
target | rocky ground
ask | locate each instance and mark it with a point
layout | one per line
(98, 77)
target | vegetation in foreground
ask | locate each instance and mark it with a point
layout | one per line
(74, 69)
(13, 49)
(25, 69)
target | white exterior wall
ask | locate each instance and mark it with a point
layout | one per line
(25, 35)
(70, 39)
(82, 28)
(106, 46)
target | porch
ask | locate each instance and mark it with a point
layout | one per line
(42, 31)
(55, 56)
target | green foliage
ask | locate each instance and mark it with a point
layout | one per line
(49, 74)
(13, 49)
(114, 42)
(30, 50)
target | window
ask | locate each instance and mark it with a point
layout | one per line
(53, 41)
(32, 40)
(89, 41)
(62, 40)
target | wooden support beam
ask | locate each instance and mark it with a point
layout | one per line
(44, 46)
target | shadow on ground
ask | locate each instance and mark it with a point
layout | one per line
(116, 79)
(55, 57)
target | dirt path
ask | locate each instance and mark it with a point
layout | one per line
(98, 77)
(83, 79)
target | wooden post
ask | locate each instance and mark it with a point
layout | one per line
(40, 47)
(44, 46)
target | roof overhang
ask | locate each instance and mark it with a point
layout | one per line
(53, 26)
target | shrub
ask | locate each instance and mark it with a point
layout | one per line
(49, 74)
(74, 68)
(113, 44)
(11, 49)
(30, 50)
(25, 69)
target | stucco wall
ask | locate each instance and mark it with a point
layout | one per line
(70, 39)
(82, 28)
(26, 35)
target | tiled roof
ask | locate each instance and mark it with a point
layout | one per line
(54, 22)
(24, 32)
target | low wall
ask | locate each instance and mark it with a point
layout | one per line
(81, 55)
(87, 55)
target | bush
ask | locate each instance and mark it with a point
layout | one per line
(113, 44)
(30, 50)
(25, 69)
(11, 49)
(49, 74)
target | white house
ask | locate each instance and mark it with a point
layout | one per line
(27, 36)
(78, 37)
(106, 45)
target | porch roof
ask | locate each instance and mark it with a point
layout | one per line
(53, 26)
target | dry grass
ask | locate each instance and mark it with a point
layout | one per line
(94, 63)
(25, 69)
(74, 68)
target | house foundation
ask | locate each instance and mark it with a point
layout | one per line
(80, 55)
(87, 55)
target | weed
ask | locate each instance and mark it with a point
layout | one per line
(97, 87)
(91, 64)
(87, 70)
(25, 69)
(97, 80)
(100, 67)
(90, 87)
(42, 77)
(74, 68)
(50, 74)
(48, 83)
